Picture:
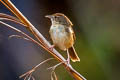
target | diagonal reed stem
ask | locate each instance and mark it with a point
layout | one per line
(41, 39)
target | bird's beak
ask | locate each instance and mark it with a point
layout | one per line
(48, 16)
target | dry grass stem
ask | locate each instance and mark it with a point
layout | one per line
(7, 17)
(21, 32)
(55, 66)
(18, 36)
(53, 76)
(29, 73)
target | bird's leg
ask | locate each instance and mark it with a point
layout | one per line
(52, 47)
(68, 57)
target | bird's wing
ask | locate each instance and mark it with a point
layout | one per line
(74, 37)
(70, 30)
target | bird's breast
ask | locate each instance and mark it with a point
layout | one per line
(60, 37)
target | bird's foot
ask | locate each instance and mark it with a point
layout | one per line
(68, 61)
(51, 48)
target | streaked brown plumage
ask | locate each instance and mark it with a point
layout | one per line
(63, 35)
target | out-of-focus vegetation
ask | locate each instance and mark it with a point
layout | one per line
(97, 28)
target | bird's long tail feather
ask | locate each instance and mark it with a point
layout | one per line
(73, 55)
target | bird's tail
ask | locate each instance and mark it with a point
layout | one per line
(73, 55)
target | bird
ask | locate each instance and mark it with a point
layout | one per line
(62, 35)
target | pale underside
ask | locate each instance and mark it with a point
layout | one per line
(62, 37)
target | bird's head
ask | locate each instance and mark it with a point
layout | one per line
(59, 18)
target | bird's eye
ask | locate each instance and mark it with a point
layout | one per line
(55, 17)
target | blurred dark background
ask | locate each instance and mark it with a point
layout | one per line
(96, 24)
